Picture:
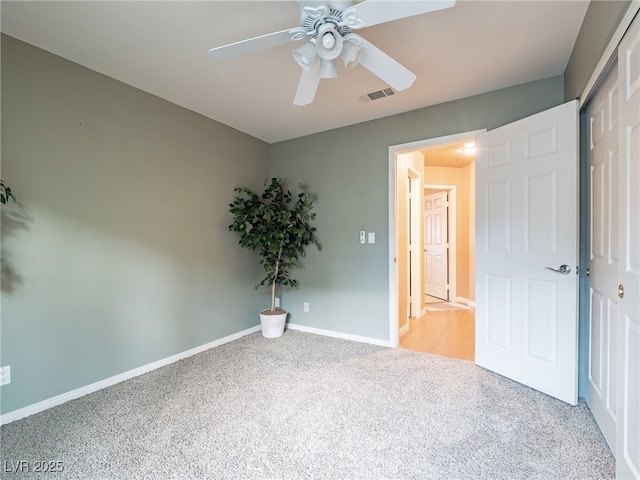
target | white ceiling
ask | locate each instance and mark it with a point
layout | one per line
(162, 47)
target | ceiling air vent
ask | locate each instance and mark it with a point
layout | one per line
(367, 97)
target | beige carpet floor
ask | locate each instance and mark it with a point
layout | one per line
(305, 406)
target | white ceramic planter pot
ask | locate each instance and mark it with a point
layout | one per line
(273, 325)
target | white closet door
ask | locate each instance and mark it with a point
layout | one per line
(628, 427)
(602, 157)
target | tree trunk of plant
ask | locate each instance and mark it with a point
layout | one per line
(275, 278)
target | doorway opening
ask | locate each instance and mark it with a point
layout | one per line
(443, 320)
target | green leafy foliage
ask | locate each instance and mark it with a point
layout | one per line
(6, 193)
(278, 226)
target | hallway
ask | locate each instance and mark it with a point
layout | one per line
(450, 333)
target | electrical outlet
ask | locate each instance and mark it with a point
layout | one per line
(5, 375)
(305, 306)
(278, 302)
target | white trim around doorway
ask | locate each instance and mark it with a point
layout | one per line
(394, 150)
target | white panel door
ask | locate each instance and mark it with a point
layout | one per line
(436, 245)
(628, 428)
(602, 280)
(527, 220)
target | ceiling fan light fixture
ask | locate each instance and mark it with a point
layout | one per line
(328, 69)
(329, 42)
(305, 55)
(351, 53)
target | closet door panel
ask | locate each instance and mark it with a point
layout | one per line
(602, 157)
(628, 428)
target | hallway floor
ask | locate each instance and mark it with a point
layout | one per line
(450, 333)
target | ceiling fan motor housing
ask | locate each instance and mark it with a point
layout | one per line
(330, 36)
(313, 19)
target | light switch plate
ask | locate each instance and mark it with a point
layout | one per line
(5, 375)
(372, 237)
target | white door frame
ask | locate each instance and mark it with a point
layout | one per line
(415, 248)
(394, 150)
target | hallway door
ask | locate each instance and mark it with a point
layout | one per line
(436, 228)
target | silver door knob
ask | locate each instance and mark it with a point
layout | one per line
(564, 269)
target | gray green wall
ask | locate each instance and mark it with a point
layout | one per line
(347, 284)
(600, 22)
(117, 253)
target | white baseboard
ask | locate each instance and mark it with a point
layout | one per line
(405, 327)
(465, 301)
(344, 336)
(107, 382)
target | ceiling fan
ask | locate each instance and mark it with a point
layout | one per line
(328, 28)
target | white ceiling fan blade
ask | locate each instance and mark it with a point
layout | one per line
(308, 84)
(385, 67)
(373, 12)
(251, 45)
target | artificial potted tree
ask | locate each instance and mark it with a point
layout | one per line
(278, 226)
(6, 193)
